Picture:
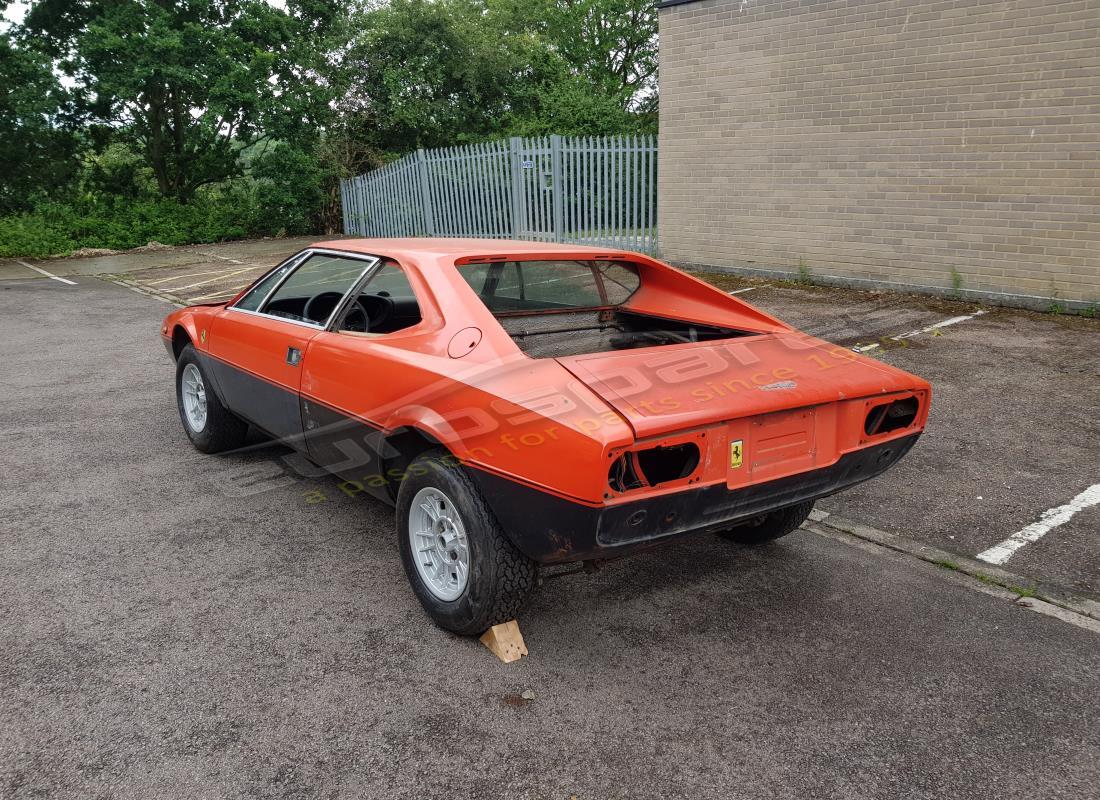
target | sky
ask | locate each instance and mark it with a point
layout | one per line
(15, 12)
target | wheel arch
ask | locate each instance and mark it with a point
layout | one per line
(401, 448)
(180, 339)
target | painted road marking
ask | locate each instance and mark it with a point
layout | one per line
(739, 291)
(937, 326)
(205, 297)
(228, 274)
(231, 260)
(47, 274)
(185, 277)
(1048, 521)
(864, 348)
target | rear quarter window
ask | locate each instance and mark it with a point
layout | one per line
(551, 285)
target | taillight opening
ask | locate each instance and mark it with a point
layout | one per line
(653, 466)
(891, 416)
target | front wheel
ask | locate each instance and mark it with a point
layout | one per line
(462, 567)
(209, 425)
(769, 526)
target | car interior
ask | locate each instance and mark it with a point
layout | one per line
(385, 304)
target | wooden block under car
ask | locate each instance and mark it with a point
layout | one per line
(505, 641)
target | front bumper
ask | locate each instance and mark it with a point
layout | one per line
(553, 530)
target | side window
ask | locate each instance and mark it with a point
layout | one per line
(251, 301)
(494, 280)
(313, 291)
(548, 284)
(385, 304)
(551, 285)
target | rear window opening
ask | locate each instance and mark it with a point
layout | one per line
(891, 416)
(566, 308)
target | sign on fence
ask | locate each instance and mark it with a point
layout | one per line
(585, 190)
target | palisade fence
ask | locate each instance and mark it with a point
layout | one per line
(585, 190)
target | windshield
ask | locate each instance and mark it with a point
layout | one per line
(527, 286)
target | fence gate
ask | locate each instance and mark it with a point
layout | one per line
(584, 190)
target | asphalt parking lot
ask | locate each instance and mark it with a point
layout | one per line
(180, 625)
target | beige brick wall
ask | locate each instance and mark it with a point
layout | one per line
(885, 140)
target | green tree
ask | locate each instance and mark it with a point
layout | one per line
(37, 145)
(431, 73)
(612, 44)
(192, 82)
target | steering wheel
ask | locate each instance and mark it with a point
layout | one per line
(311, 305)
(357, 319)
(378, 309)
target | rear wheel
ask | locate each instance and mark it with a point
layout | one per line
(769, 526)
(209, 425)
(462, 567)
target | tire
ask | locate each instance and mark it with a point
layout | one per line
(217, 429)
(498, 577)
(769, 526)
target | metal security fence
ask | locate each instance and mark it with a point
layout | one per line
(584, 190)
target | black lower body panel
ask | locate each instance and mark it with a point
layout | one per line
(554, 530)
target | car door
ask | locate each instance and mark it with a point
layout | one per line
(356, 372)
(257, 345)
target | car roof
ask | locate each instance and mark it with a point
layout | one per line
(438, 247)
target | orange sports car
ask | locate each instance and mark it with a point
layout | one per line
(525, 404)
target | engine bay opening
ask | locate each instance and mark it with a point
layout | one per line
(653, 466)
(600, 331)
(891, 416)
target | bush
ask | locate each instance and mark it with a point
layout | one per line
(118, 223)
(289, 192)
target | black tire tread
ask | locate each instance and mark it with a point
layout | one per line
(518, 574)
(224, 430)
(775, 524)
(515, 574)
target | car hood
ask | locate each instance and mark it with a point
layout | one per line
(662, 389)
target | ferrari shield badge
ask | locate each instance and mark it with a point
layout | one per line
(737, 450)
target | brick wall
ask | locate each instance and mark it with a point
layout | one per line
(886, 142)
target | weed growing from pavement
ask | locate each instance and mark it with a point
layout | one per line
(1021, 591)
(956, 284)
(951, 565)
(805, 277)
(1055, 307)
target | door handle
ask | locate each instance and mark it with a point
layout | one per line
(293, 356)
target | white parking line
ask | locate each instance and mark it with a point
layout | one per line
(739, 291)
(205, 297)
(185, 277)
(944, 324)
(228, 274)
(232, 260)
(47, 274)
(1048, 521)
(863, 348)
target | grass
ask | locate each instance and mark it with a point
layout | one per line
(1021, 591)
(1055, 307)
(805, 276)
(956, 284)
